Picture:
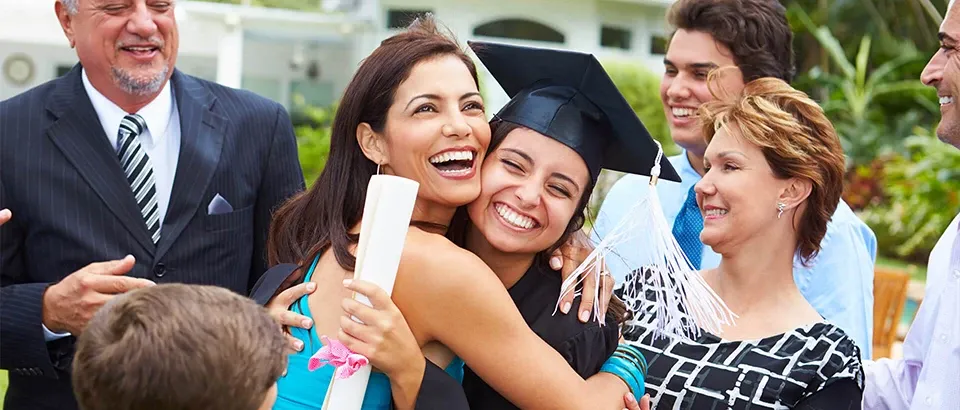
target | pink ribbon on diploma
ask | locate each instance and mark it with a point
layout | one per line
(337, 355)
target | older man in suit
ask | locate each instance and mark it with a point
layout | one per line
(123, 173)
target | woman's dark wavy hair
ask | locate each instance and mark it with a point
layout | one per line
(461, 220)
(321, 218)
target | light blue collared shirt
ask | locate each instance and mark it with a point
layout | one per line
(838, 283)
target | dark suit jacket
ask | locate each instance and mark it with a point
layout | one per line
(72, 206)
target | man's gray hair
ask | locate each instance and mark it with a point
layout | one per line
(71, 6)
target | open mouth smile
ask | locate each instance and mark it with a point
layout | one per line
(515, 219)
(457, 163)
(143, 53)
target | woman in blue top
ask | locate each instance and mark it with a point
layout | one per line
(414, 110)
(303, 388)
(548, 145)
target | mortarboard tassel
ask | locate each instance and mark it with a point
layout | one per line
(684, 303)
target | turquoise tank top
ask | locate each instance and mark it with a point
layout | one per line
(303, 389)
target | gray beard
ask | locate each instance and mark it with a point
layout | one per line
(136, 86)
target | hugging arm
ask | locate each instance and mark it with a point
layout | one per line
(417, 380)
(567, 259)
(468, 310)
(440, 391)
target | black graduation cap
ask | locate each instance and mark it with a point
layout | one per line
(568, 96)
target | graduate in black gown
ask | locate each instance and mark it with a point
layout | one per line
(562, 104)
(564, 123)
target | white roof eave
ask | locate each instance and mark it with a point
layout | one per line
(234, 13)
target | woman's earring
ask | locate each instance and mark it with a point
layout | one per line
(378, 168)
(780, 207)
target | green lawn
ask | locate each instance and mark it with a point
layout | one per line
(3, 386)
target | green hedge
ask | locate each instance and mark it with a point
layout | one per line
(312, 126)
(921, 195)
(641, 88)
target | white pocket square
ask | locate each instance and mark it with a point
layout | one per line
(218, 206)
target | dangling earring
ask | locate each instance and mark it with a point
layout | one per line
(780, 207)
(378, 168)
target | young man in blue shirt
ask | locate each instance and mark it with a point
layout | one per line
(753, 36)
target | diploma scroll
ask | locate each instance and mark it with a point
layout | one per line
(383, 231)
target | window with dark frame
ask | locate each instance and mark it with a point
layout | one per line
(398, 19)
(658, 44)
(520, 29)
(615, 37)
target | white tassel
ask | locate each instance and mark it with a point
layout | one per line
(685, 304)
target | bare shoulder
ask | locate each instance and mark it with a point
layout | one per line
(434, 255)
(433, 264)
(436, 275)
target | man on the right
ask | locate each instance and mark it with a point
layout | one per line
(928, 376)
(754, 37)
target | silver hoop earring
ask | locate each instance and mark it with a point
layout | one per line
(780, 207)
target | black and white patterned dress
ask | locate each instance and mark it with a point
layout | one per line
(812, 367)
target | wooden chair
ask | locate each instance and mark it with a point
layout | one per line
(889, 298)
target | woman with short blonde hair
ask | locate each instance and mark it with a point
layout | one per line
(774, 177)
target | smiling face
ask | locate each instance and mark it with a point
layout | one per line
(436, 132)
(690, 58)
(737, 193)
(532, 186)
(943, 73)
(128, 48)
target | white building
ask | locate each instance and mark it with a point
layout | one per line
(290, 56)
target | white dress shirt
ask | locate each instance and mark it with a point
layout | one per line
(928, 376)
(160, 141)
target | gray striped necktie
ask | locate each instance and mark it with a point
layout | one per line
(136, 166)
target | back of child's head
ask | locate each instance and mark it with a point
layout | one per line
(178, 347)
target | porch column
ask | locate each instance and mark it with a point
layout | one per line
(230, 54)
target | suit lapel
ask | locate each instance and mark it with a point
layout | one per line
(201, 140)
(77, 132)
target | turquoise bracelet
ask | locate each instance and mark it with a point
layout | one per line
(628, 364)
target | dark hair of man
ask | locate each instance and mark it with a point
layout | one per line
(755, 31)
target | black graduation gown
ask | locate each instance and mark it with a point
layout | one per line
(438, 390)
(585, 346)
